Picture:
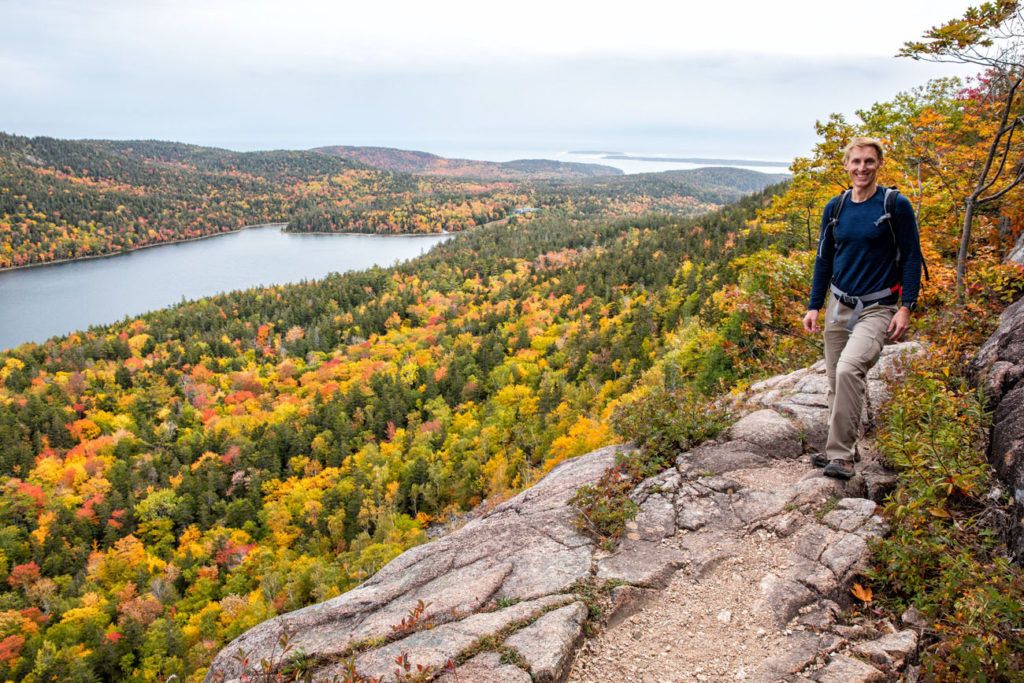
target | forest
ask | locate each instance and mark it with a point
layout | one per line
(174, 479)
(249, 454)
(65, 200)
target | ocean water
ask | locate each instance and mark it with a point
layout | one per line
(638, 161)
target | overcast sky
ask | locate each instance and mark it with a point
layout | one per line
(487, 79)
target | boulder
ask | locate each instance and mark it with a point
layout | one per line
(641, 563)
(1016, 254)
(432, 648)
(486, 668)
(768, 431)
(997, 369)
(889, 651)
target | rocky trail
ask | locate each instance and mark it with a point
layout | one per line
(736, 567)
(753, 599)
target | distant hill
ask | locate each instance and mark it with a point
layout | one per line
(730, 183)
(676, 192)
(424, 163)
(720, 184)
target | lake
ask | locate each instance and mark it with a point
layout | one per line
(38, 303)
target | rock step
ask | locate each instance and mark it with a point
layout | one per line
(765, 553)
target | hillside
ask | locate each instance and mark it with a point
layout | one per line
(181, 477)
(720, 571)
(714, 184)
(65, 199)
(425, 163)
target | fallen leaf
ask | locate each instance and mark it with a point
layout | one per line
(862, 593)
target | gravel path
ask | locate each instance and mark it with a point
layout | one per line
(710, 623)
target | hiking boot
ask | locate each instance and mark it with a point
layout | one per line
(821, 460)
(839, 469)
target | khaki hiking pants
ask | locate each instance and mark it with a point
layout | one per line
(848, 357)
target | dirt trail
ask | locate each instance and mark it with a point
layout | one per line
(710, 623)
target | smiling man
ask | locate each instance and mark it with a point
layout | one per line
(869, 266)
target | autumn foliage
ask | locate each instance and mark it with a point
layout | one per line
(170, 481)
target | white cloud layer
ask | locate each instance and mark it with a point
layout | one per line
(701, 77)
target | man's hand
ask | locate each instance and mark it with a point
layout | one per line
(900, 323)
(811, 321)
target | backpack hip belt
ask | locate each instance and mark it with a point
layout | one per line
(859, 303)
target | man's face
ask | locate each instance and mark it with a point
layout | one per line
(862, 164)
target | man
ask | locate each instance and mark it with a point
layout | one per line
(869, 259)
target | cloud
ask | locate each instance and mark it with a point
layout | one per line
(402, 34)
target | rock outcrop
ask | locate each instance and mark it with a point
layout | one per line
(506, 596)
(999, 369)
(1016, 254)
(497, 573)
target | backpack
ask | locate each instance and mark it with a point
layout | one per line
(889, 208)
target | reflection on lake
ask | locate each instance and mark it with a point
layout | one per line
(38, 303)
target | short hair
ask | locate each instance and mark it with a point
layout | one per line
(864, 142)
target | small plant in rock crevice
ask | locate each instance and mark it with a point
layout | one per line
(663, 422)
(604, 507)
(414, 620)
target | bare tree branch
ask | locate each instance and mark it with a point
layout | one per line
(1002, 162)
(1014, 183)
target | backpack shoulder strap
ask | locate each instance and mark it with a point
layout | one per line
(837, 208)
(889, 209)
(891, 194)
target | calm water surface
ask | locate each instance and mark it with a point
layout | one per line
(38, 303)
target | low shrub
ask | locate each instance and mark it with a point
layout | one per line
(945, 555)
(664, 421)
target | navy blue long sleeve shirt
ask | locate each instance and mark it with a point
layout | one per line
(860, 257)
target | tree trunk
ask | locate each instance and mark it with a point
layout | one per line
(809, 235)
(961, 257)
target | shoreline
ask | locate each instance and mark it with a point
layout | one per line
(92, 257)
(377, 234)
(282, 225)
